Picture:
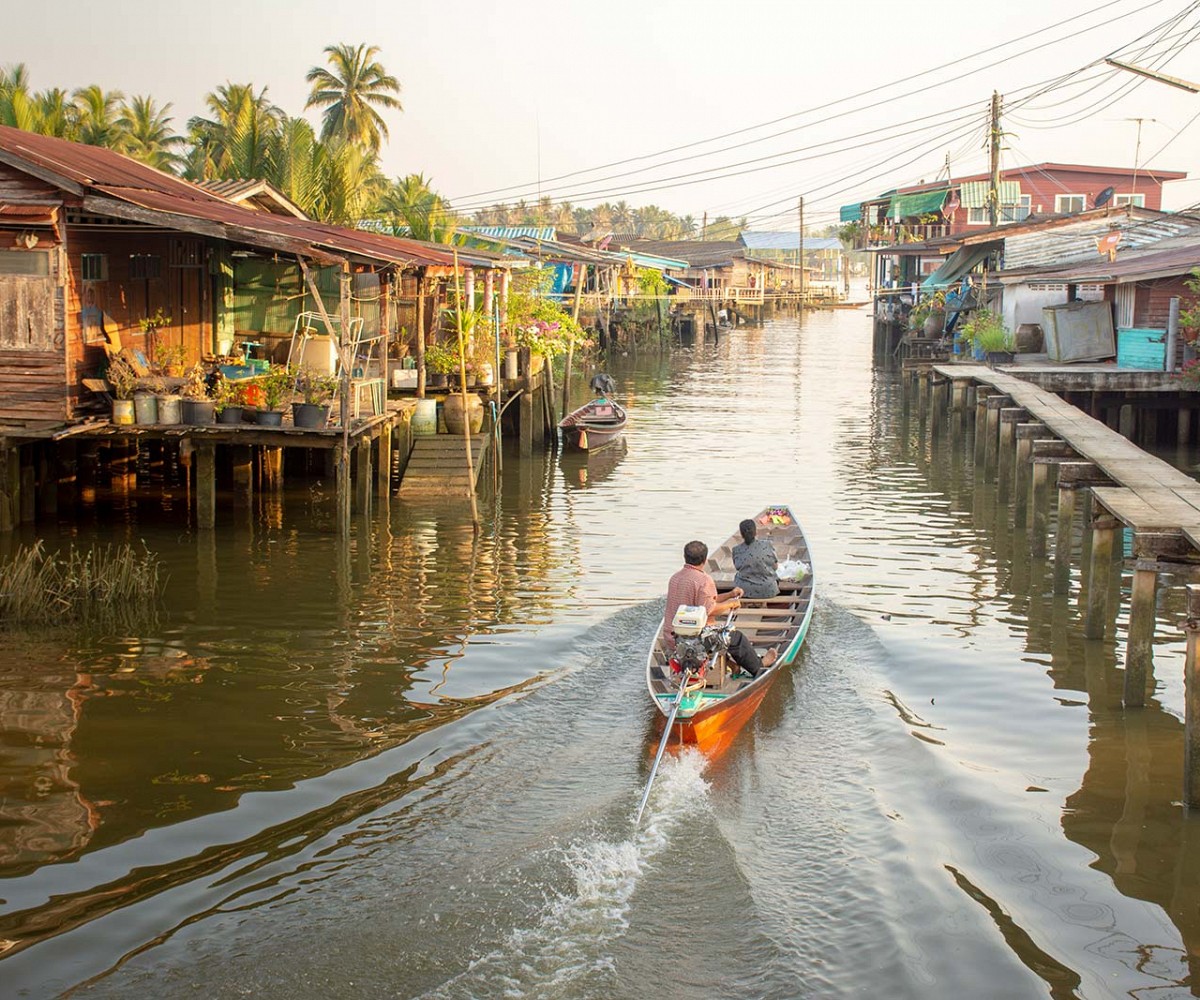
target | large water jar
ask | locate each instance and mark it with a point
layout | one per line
(424, 418)
(453, 408)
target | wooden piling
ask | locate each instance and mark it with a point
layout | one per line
(993, 405)
(1039, 502)
(271, 463)
(1009, 417)
(1062, 538)
(10, 488)
(526, 417)
(383, 473)
(206, 485)
(243, 469)
(362, 472)
(1104, 531)
(47, 475)
(1139, 649)
(958, 395)
(66, 457)
(342, 477)
(1191, 699)
(1022, 469)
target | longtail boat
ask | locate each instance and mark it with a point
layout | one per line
(713, 711)
(594, 425)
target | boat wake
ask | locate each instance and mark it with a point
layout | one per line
(571, 940)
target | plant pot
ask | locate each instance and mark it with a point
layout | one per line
(999, 357)
(198, 411)
(510, 364)
(310, 414)
(453, 408)
(230, 415)
(978, 353)
(170, 409)
(122, 412)
(435, 380)
(484, 375)
(269, 418)
(145, 408)
(471, 380)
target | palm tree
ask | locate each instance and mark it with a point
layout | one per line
(17, 106)
(351, 182)
(350, 94)
(424, 212)
(235, 142)
(97, 111)
(146, 133)
(297, 162)
(55, 114)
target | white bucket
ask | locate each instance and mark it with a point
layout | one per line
(424, 418)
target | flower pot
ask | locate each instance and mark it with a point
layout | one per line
(484, 375)
(145, 408)
(453, 408)
(999, 357)
(471, 379)
(198, 411)
(170, 409)
(310, 414)
(122, 412)
(510, 364)
(269, 418)
(230, 415)
(436, 380)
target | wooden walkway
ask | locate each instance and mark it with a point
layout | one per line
(1150, 495)
(437, 466)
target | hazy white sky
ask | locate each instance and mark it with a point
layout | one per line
(502, 94)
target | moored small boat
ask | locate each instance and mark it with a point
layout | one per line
(594, 425)
(712, 713)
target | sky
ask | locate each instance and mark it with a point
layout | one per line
(501, 100)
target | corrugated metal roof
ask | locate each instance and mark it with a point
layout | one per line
(513, 232)
(1074, 238)
(1169, 257)
(784, 240)
(694, 253)
(120, 181)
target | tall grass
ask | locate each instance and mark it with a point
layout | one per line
(97, 586)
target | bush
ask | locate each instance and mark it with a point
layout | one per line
(985, 330)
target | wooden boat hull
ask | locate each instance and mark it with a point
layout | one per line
(594, 426)
(710, 719)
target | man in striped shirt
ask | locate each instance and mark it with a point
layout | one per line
(693, 587)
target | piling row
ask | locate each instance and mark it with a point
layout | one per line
(1050, 463)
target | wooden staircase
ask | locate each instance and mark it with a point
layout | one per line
(437, 466)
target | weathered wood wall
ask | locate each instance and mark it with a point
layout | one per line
(32, 337)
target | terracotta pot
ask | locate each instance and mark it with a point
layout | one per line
(453, 408)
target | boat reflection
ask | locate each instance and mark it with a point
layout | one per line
(582, 470)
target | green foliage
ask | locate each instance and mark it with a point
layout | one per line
(122, 377)
(276, 386)
(926, 308)
(316, 388)
(440, 360)
(651, 282)
(985, 330)
(350, 91)
(1189, 310)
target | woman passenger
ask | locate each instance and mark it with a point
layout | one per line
(755, 562)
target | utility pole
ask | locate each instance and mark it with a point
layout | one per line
(704, 228)
(994, 143)
(800, 252)
(1137, 148)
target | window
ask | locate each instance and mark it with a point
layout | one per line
(1138, 200)
(145, 266)
(1069, 203)
(1016, 212)
(93, 266)
(33, 263)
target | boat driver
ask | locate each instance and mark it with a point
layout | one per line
(692, 586)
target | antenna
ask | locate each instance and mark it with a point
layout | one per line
(1137, 148)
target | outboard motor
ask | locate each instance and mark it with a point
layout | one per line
(603, 385)
(695, 642)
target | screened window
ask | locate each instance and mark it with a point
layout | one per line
(35, 263)
(144, 266)
(1016, 212)
(93, 266)
(1137, 200)
(1069, 203)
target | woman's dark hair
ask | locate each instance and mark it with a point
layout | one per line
(694, 553)
(748, 529)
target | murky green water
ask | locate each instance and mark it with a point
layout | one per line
(408, 768)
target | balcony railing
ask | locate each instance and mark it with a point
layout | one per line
(900, 233)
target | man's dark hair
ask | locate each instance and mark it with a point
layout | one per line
(748, 529)
(694, 553)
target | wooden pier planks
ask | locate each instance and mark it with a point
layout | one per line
(1151, 495)
(437, 466)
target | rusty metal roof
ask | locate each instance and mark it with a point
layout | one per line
(110, 183)
(1167, 258)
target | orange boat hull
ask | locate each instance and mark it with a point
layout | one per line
(713, 730)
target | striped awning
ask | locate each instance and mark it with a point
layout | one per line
(851, 213)
(974, 194)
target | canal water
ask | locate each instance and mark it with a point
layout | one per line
(409, 768)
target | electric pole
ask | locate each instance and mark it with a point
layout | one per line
(800, 251)
(994, 143)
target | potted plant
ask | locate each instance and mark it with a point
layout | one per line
(145, 400)
(991, 340)
(317, 391)
(276, 386)
(150, 325)
(198, 408)
(439, 362)
(170, 361)
(227, 402)
(123, 380)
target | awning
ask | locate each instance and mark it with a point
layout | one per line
(28, 213)
(921, 203)
(957, 264)
(851, 213)
(974, 194)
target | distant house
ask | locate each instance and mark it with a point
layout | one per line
(824, 256)
(928, 211)
(255, 194)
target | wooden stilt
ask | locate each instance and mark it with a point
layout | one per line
(1139, 649)
(526, 417)
(271, 461)
(1023, 471)
(362, 473)
(342, 475)
(958, 395)
(1039, 503)
(243, 470)
(1126, 423)
(1062, 539)
(1191, 699)
(981, 397)
(66, 455)
(1100, 567)
(206, 486)
(10, 489)
(47, 477)
(383, 474)
(28, 494)
(1010, 416)
(991, 443)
